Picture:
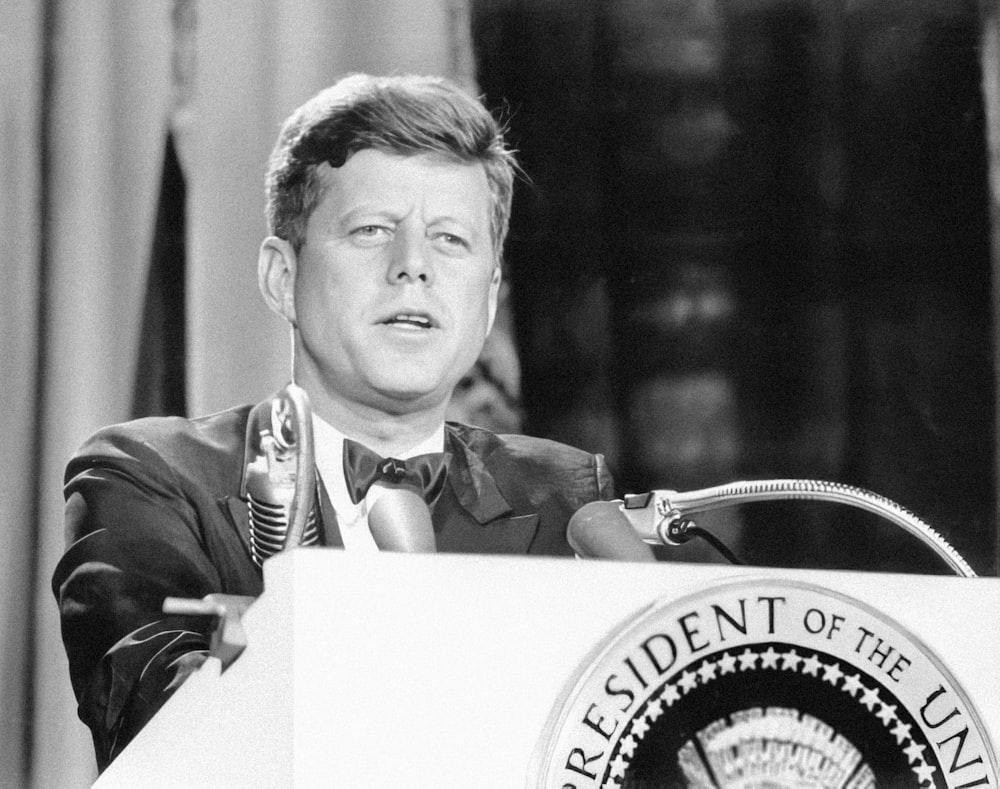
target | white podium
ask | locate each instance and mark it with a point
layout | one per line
(393, 670)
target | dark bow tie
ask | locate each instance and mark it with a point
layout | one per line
(363, 468)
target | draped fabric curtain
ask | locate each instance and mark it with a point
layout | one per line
(91, 90)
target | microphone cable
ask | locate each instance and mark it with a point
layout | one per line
(684, 530)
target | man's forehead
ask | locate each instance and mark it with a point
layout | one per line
(372, 159)
(377, 177)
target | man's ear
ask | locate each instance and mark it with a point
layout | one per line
(494, 297)
(276, 269)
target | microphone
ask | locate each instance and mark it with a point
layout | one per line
(400, 520)
(661, 516)
(600, 530)
(279, 474)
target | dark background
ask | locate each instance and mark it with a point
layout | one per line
(755, 244)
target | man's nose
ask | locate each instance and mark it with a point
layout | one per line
(410, 260)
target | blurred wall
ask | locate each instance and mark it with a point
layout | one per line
(755, 243)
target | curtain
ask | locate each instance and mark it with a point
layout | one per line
(91, 91)
(20, 194)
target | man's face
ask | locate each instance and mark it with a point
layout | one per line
(396, 285)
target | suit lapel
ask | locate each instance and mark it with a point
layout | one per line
(329, 528)
(473, 484)
(472, 515)
(235, 509)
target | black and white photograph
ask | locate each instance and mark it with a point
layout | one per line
(559, 394)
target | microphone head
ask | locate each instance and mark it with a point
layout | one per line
(279, 474)
(400, 520)
(600, 530)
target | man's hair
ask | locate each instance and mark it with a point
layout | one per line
(406, 115)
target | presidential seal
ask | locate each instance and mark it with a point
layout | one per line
(764, 684)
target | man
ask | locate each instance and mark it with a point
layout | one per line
(388, 203)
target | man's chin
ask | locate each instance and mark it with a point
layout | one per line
(398, 397)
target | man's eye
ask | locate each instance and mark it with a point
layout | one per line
(451, 240)
(367, 233)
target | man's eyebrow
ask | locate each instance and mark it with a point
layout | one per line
(463, 214)
(462, 220)
(366, 210)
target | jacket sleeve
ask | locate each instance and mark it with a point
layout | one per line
(133, 540)
(569, 479)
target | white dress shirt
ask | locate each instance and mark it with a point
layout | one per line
(353, 518)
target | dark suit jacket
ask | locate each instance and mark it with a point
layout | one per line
(153, 510)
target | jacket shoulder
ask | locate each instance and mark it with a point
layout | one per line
(208, 447)
(485, 442)
(539, 464)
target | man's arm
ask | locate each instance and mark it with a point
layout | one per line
(134, 538)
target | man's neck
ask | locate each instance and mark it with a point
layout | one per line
(389, 434)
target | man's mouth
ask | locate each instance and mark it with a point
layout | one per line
(412, 319)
